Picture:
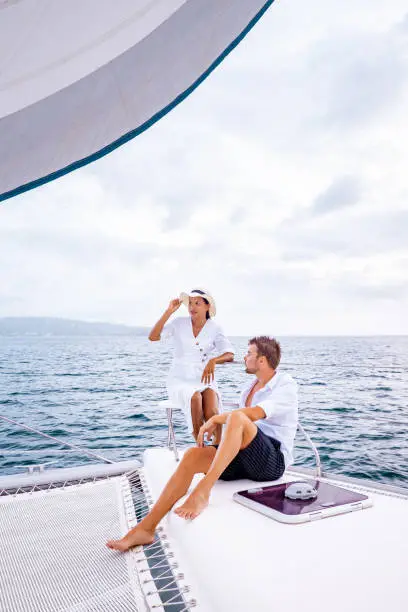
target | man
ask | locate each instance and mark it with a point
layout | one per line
(257, 443)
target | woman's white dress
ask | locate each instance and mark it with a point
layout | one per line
(190, 358)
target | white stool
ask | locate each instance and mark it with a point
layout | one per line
(171, 438)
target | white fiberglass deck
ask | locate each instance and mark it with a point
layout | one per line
(237, 559)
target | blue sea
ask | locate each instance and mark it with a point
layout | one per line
(102, 394)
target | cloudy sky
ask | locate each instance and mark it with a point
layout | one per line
(281, 185)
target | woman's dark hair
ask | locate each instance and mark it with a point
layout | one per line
(269, 348)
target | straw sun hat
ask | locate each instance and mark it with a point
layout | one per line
(184, 297)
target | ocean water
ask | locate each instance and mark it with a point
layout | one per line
(102, 394)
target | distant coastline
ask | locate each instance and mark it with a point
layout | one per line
(52, 326)
(59, 327)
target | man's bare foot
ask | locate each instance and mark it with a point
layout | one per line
(194, 505)
(136, 537)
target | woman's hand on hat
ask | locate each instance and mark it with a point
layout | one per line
(209, 372)
(173, 305)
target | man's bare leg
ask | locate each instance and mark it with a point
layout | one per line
(239, 433)
(210, 408)
(197, 412)
(194, 461)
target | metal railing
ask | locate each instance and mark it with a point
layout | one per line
(73, 447)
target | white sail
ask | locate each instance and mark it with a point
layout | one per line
(79, 78)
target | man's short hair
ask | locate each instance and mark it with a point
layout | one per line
(269, 348)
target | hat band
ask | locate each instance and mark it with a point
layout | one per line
(198, 291)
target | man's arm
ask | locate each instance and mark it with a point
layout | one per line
(254, 414)
(282, 404)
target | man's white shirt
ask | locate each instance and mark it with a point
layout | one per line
(279, 400)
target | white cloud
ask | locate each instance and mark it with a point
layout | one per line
(280, 184)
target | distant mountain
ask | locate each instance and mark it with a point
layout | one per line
(45, 326)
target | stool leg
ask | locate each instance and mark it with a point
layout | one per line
(169, 424)
(171, 438)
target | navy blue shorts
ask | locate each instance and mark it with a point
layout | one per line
(261, 460)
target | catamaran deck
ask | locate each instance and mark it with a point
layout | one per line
(53, 556)
(237, 559)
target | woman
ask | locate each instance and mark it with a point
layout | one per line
(200, 344)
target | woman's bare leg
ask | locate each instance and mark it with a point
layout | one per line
(197, 412)
(210, 408)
